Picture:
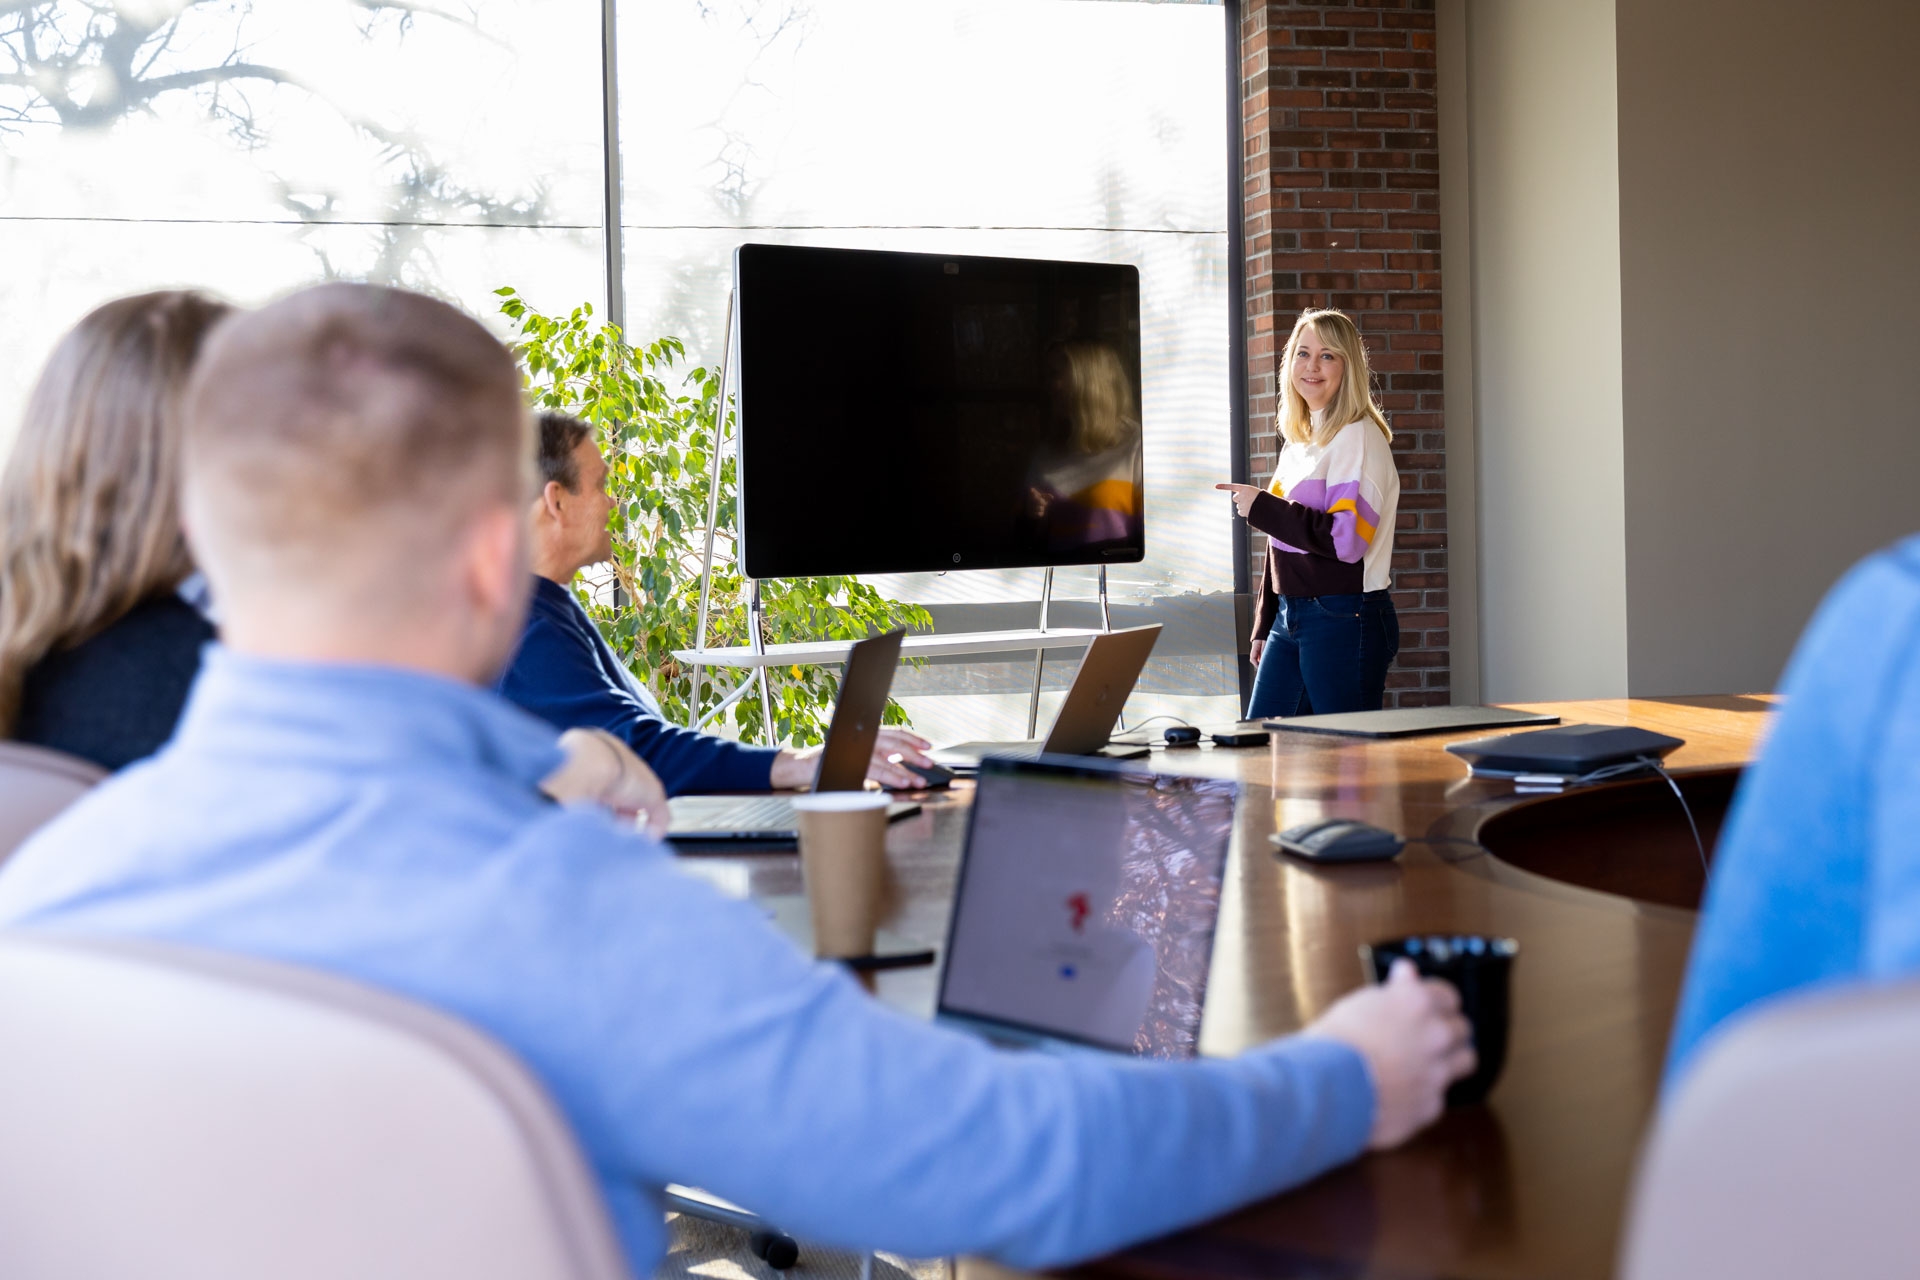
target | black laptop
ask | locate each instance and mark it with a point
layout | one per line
(864, 685)
(1572, 750)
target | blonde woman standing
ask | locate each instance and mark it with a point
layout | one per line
(97, 646)
(1324, 630)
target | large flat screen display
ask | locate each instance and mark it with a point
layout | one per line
(912, 411)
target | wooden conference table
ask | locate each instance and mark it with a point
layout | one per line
(1597, 885)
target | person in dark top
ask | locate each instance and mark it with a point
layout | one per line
(97, 647)
(114, 697)
(565, 672)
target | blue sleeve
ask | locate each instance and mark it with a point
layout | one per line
(556, 675)
(1821, 853)
(704, 1049)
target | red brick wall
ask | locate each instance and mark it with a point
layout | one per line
(1341, 191)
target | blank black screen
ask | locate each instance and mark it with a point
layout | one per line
(906, 411)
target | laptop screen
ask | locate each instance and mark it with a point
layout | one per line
(1087, 902)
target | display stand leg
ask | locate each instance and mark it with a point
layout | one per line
(1106, 620)
(713, 514)
(756, 619)
(1039, 655)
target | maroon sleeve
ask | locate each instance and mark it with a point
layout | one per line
(1266, 601)
(1302, 527)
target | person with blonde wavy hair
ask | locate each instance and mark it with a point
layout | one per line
(1092, 493)
(97, 646)
(1324, 630)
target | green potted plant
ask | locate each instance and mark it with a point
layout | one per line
(659, 440)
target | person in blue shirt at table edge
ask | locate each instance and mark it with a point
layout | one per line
(1816, 879)
(345, 793)
(566, 673)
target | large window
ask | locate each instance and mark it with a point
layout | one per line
(249, 146)
(1026, 128)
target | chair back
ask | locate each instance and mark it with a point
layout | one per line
(168, 1112)
(35, 784)
(1788, 1150)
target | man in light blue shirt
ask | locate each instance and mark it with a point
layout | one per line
(1817, 877)
(340, 794)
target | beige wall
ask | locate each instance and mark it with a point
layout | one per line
(1541, 202)
(1770, 281)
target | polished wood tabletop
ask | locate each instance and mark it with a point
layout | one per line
(1596, 885)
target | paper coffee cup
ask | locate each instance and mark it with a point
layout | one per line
(843, 860)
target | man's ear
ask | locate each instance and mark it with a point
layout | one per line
(552, 495)
(496, 561)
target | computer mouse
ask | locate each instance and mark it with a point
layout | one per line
(1337, 840)
(932, 776)
(1181, 735)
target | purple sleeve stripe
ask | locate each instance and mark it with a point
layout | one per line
(1350, 493)
(1350, 537)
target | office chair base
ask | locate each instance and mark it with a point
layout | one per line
(774, 1249)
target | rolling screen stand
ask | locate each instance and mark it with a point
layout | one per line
(1040, 655)
(755, 657)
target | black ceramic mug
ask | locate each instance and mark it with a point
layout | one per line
(1480, 969)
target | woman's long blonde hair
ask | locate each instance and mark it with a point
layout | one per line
(89, 513)
(1354, 399)
(1100, 397)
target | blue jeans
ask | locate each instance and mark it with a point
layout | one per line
(1325, 655)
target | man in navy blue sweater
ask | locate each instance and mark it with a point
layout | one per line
(565, 673)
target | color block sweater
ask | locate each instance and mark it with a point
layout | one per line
(1329, 517)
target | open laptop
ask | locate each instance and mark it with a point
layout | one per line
(842, 763)
(1085, 911)
(1112, 663)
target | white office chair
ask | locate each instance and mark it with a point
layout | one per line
(167, 1112)
(35, 784)
(1790, 1149)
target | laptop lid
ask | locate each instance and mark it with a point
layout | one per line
(1108, 671)
(1407, 722)
(865, 682)
(1086, 904)
(1571, 749)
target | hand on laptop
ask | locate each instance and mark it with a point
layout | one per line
(793, 769)
(601, 768)
(1415, 1043)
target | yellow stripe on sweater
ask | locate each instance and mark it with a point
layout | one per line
(1359, 521)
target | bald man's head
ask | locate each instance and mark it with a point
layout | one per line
(343, 442)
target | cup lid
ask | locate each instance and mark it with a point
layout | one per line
(841, 801)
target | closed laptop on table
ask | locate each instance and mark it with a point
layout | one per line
(1407, 722)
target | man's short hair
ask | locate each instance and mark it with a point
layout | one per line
(560, 436)
(343, 420)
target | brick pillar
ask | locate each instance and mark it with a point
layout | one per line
(1341, 194)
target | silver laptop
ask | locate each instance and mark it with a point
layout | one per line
(1086, 906)
(1407, 722)
(864, 685)
(1108, 670)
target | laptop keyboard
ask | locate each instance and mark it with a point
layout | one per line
(748, 813)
